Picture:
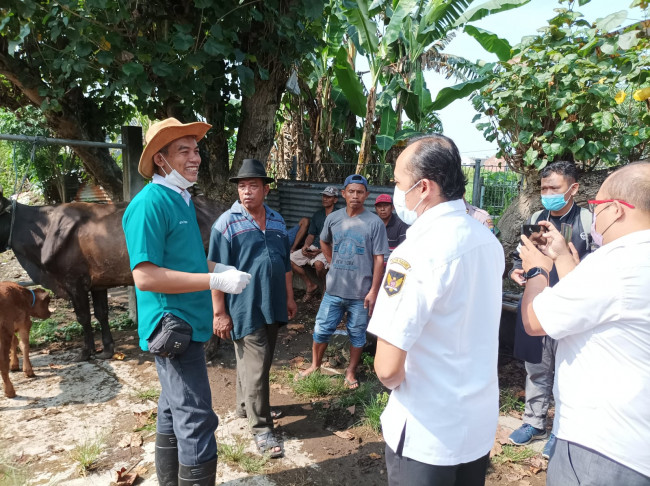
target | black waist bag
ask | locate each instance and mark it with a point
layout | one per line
(171, 337)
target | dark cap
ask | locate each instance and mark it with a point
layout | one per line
(330, 191)
(355, 179)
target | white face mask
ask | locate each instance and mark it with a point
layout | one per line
(399, 201)
(174, 178)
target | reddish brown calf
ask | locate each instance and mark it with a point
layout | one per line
(17, 306)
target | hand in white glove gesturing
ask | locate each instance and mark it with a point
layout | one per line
(229, 281)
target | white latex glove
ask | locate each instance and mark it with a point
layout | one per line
(220, 267)
(229, 281)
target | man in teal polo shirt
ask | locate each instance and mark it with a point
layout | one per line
(173, 279)
(253, 237)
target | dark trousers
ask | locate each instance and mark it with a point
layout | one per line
(254, 354)
(403, 471)
(572, 464)
(185, 405)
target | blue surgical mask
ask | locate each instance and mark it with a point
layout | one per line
(399, 201)
(555, 202)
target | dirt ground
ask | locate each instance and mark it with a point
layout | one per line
(104, 401)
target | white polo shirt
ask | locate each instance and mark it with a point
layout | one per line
(440, 301)
(600, 315)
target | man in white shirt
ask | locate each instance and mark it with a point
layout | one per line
(600, 314)
(437, 323)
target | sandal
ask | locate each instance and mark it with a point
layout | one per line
(309, 295)
(351, 385)
(266, 443)
(276, 413)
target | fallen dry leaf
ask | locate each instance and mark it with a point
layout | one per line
(118, 356)
(55, 366)
(307, 407)
(352, 409)
(296, 327)
(344, 434)
(130, 440)
(502, 435)
(142, 418)
(326, 405)
(496, 449)
(297, 361)
(537, 464)
(374, 455)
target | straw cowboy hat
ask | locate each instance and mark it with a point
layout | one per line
(163, 133)
(252, 169)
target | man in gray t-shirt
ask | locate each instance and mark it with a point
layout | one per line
(354, 241)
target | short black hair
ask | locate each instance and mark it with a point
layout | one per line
(562, 167)
(437, 159)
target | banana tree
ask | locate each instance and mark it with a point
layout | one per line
(412, 41)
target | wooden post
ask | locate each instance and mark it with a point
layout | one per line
(133, 182)
(476, 189)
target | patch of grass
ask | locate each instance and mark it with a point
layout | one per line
(274, 377)
(509, 402)
(149, 394)
(86, 453)
(12, 473)
(51, 330)
(148, 427)
(122, 322)
(318, 385)
(373, 410)
(368, 361)
(235, 455)
(359, 397)
(513, 453)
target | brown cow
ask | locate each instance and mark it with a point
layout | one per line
(18, 306)
(77, 248)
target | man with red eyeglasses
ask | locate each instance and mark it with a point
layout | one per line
(599, 313)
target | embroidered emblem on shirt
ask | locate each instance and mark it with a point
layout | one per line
(182, 222)
(401, 262)
(393, 283)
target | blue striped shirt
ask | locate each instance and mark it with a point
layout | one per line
(237, 240)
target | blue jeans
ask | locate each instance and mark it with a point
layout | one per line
(330, 314)
(185, 405)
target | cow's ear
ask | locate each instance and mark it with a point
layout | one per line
(57, 236)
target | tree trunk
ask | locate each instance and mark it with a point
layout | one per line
(368, 129)
(78, 119)
(213, 173)
(257, 126)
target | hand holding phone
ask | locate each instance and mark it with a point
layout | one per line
(534, 233)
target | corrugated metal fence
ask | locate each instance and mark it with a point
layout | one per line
(490, 188)
(297, 199)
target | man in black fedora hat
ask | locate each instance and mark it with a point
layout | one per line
(253, 237)
(172, 282)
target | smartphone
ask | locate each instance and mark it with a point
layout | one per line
(567, 232)
(530, 229)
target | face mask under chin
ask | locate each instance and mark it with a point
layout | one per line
(175, 178)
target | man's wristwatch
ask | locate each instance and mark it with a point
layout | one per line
(535, 271)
